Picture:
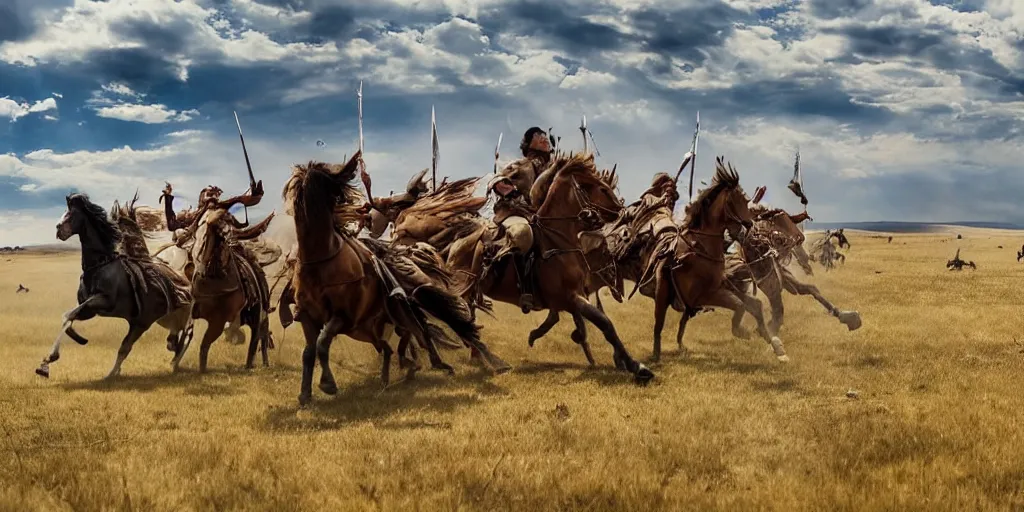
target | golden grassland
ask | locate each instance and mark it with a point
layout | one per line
(936, 423)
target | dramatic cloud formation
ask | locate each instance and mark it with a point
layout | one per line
(902, 109)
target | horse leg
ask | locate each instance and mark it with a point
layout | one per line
(597, 300)
(725, 299)
(266, 342)
(233, 333)
(135, 331)
(384, 348)
(409, 362)
(851, 319)
(641, 373)
(579, 336)
(683, 320)
(311, 330)
(95, 301)
(662, 297)
(255, 336)
(214, 328)
(544, 327)
(323, 352)
(184, 340)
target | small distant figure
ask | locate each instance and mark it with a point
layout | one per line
(958, 264)
(21, 288)
(890, 240)
(1020, 254)
(959, 236)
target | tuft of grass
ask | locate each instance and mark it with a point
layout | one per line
(935, 422)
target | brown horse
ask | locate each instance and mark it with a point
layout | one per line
(344, 286)
(227, 285)
(765, 253)
(572, 199)
(689, 266)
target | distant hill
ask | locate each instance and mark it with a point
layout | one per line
(909, 227)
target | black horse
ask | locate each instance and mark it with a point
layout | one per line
(139, 290)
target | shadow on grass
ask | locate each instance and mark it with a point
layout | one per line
(367, 401)
(190, 379)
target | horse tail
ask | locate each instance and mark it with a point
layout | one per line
(449, 310)
(452, 310)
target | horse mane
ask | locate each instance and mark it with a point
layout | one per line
(449, 199)
(580, 165)
(108, 232)
(133, 238)
(332, 182)
(725, 178)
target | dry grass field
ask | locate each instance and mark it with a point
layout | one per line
(936, 422)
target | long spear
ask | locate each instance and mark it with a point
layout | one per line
(434, 149)
(252, 179)
(359, 97)
(362, 166)
(583, 130)
(497, 149)
(693, 151)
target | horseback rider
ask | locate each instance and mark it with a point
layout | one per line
(512, 207)
(183, 226)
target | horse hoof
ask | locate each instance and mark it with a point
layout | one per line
(305, 399)
(851, 319)
(329, 388)
(43, 372)
(783, 358)
(742, 334)
(501, 370)
(643, 375)
(777, 347)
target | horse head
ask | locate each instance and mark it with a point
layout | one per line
(722, 206)
(572, 187)
(83, 216)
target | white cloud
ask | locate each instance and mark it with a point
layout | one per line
(14, 110)
(90, 26)
(148, 114)
(119, 89)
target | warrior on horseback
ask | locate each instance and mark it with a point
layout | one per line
(512, 207)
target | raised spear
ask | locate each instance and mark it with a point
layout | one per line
(693, 151)
(248, 165)
(434, 149)
(583, 130)
(362, 166)
(497, 149)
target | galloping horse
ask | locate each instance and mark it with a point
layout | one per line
(227, 285)
(688, 266)
(766, 250)
(572, 199)
(113, 285)
(343, 286)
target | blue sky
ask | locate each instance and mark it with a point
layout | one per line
(902, 109)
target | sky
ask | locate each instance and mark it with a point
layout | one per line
(906, 110)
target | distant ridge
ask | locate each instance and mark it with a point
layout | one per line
(909, 227)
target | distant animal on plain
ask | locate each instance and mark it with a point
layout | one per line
(21, 288)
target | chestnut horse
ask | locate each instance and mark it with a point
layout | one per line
(227, 286)
(572, 199)
(766, 251)
(343, 286)
(689, 266)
